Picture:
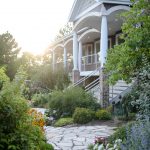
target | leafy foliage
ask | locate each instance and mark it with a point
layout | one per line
(120, 133)
(63, 103)
(8, 54)
(142, 101)
(127, 58)
(83, 115)
(38, 118)
(138, 137)
(103, 115)
(3, 78)
(66, 30)
(63, 122)
(16, 129)
(40, 100)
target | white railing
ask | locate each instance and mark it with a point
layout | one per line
(90, 59)
(90, 62)
(84, 78)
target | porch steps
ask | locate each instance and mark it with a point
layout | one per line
(118, 90)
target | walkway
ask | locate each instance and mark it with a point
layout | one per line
(75, 138)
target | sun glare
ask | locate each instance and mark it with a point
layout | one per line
(33, 23)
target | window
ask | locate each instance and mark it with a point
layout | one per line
(109, 43)
(118, 39)
(89, 52)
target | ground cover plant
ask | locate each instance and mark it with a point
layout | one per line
(63, 122)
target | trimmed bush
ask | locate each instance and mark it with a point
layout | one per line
(63, 122)
(64, 103)
(103, 115)
(83, 115)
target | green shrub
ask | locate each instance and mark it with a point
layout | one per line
(110, 109)
(120, 133)
(63, 103)
(83, 115)
(3, 77)
(16, 129)
(63, 122)
(40, 100)
(103, 115)
(131, 117)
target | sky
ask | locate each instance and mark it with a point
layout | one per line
(34, 23)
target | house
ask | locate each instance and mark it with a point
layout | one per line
(96, 29)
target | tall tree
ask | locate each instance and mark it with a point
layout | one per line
(64, 31)
(125, 60)
(8, 53)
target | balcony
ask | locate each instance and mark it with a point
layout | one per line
(90, 62)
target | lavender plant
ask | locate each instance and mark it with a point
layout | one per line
(138, 137)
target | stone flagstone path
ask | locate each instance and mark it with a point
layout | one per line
(75, 138)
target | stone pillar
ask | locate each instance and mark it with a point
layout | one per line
(54, 61)
(75, 72)
(80, 56)
(65, 58)
(104, 87)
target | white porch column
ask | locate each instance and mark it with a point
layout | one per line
(65, 57)
(75, 51)
(54, 61)
(80, 56)
(104, 40)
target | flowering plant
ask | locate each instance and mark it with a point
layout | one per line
(101, 144)
(38, 118)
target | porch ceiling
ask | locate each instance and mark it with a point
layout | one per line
(90, 37)
(114, 22)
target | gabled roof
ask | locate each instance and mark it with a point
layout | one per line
(78, 7)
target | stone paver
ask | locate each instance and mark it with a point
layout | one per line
(75, 138)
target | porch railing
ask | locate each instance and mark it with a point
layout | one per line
(90, 62)
(60, 65)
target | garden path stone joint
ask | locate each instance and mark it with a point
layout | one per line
(75, 138)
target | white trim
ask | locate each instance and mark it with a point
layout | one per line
(68, 41)
(59, 45)
(87, 10)
(87, 32)
(86, 73)
(115, 8)
(91, 14)
(72, 10)
(92, 7)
